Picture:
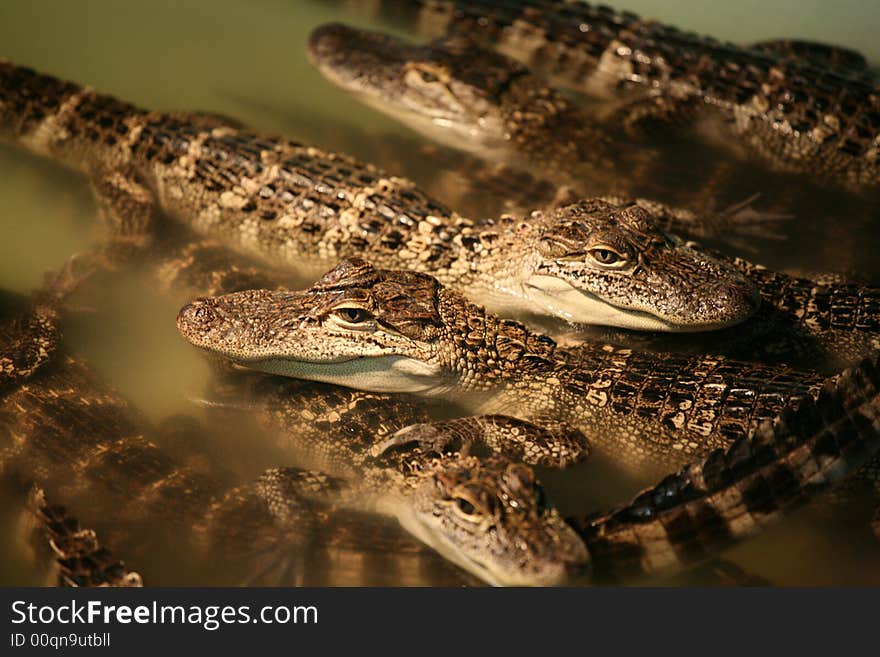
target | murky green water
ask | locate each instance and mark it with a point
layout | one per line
(246, 60)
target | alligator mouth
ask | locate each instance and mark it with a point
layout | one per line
(394, 374)
(439, 541)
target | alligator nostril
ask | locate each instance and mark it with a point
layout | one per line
(329, 40)
(736, 300)
(195, 316)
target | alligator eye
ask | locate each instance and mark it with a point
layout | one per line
(428, 77)
(352, 315)
(606, 256)
(465, 507)
(427, 73)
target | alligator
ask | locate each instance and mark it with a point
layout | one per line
(298, 206)
(400, 331)
(784, 110)
(490, 105)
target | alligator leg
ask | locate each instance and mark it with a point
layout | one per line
(294, 498)
(125, 205)
(738, 224)
(547, 442)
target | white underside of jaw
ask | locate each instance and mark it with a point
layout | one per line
(422, 530)
(370, 373)
(411, 522)
(561, 299)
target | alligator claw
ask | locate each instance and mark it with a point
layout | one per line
(427, 435)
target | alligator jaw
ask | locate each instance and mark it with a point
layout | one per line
(376, 374)
(563, 300)
(554, 575)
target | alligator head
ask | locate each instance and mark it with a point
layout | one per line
(490, 516)
(449, 88)
(595, 262)
(357, 326)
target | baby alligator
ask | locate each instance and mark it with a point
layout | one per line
(382, 330)
(466, 97)
(305, 209)
(793, 115)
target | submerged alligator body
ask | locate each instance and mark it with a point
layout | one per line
(483, 102)
(792, 114)
(80, 558)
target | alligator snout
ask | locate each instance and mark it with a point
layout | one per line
(731, 302)
(327, 41)
(196, 318)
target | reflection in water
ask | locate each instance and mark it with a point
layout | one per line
(260, 76)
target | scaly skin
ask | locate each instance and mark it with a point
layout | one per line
(790, 114)
(398, 331)
(64, 419)
(464, 96)
(735, 494)
(304, 209)
(494, 100)
(725, 498)
(73, 437)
